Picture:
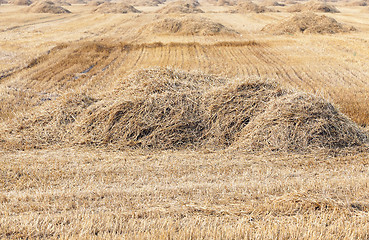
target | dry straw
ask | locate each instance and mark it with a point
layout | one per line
(179, 7)
(109, 7)
(248, 7)
(170, 109)
(188, 26)
(46, 7)
(313, 6)
(309, 23)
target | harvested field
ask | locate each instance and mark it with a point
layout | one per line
(111, 130)
(108, 7)
(309, 23)
(313, 7)
(187, 26)
(46, 7)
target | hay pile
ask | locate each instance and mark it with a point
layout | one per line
(21, 2)
(187, 26)
(46, 7)
(309, 23)
(300, 121)
(181, 7)
(313, 6)
(115, 8)
(168, 109)
(249, 7)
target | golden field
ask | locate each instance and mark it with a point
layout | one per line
(95, 146)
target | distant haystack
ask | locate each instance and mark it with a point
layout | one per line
(181, 7)
(46, 7)
(187, 26)
(249, 7)
(21, 2)
(115, 8)
(307, 23)
(297, 122)
(313, 7)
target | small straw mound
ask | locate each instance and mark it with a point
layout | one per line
(308, 22)
(46, 7)
(313, 6)
(187, 26)
(249, 7)
(181, 7)
(298, 122)
(108, 7)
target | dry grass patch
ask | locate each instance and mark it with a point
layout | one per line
(309, 23)
(93, 193)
